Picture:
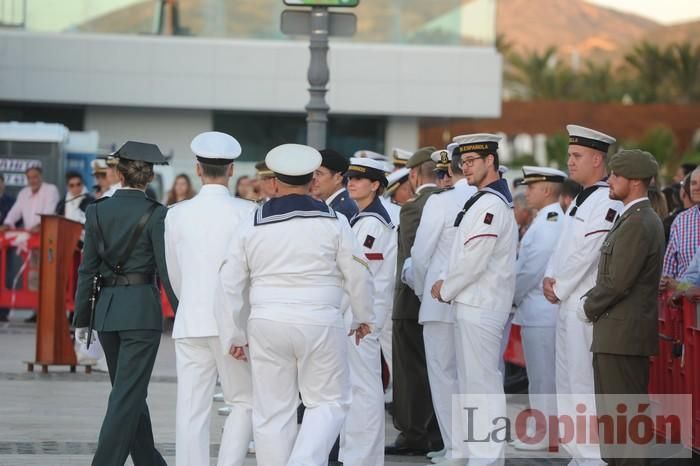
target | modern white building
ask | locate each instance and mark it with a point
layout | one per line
(162, 71)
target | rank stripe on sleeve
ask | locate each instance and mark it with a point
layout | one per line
(485, 235)
(594, 233)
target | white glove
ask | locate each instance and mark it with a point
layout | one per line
(407, 274)
(581, 314)
(81, 335)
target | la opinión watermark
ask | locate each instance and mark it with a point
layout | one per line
(612, 426)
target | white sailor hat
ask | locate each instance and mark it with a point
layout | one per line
(582, 136)
(98, 166)
(293, 163)
(361, 154)
(536, 174)
(400, 156)
(502, 169)
(451, 148)
(442, 159)
(215, 148)
(479, 142)
(367, 168)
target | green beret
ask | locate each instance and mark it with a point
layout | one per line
(421, 156)
(634, 164)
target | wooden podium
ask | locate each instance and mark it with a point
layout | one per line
(59, 240)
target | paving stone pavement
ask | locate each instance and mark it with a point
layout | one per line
(54, 419)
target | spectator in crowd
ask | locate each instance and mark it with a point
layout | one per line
(6, 202)
(684, 170)
(77, 198)
(683, 203)
(244, 188)
(33, 200)
(99, 171)
(658, 201)
(523, 214)
(266, 185)
(181, 190)
(569, 190)
(684, 238)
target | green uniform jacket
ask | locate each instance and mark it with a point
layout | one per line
(406, 303)
(123, 307)
(624, 302)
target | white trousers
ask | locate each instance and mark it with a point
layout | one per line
(362, 437)
(198, 360)
(478, 336)
(538, 347)
(574, 375)
(504, 344)
(385, 343)
(288, 359)
(441, 359)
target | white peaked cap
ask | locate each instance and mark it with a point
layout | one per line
(369, 163)
(535, 174)
(360, 154)
(215, 146)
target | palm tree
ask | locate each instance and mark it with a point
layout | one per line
(598, 83)
(651, 64)
(685, 72)
(530, 75)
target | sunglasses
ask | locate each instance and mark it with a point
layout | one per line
(442, 175)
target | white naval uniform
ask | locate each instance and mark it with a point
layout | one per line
(536, 316)
(197, 234)
(480, 281)
(362, 438)
(429, 256)
(574, 266)
(300, 258)
(385, 337)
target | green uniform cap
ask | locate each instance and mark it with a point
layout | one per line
(634, 164)
(143, 151)
(420, 156)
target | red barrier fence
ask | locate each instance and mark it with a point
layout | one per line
(676, 369)
(19, 273)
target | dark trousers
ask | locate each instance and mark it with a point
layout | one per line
(413, 410)
(616, 374)
(126, 428)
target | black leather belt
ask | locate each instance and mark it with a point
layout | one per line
(128, 279)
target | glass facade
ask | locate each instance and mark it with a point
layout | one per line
(420, 22)
(258, 132)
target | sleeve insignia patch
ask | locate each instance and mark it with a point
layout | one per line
(369, 242)
(610, 216)
(488, 218)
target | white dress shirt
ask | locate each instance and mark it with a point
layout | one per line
(197, 234)
(432, 246)
(536, 248)
(574, 264)
(29, 206)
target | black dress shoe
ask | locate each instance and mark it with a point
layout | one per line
(31, 320)
(405, 450)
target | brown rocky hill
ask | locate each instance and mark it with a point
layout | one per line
(689, 31)
(576, 27)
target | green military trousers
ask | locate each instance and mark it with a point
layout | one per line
(126, 428)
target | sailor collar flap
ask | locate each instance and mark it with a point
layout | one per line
(500, 189)
(585, 194)
(375, 209)
(291, 206)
